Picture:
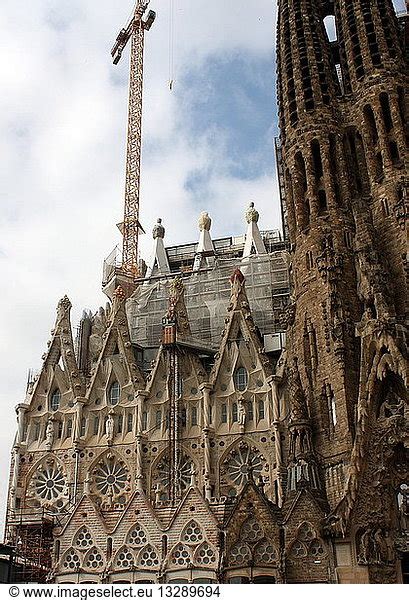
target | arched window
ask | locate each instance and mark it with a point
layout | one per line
(55, 400)
(261, 409)
(241, 379)
(114, 392)
(234, 414)
(224, 413)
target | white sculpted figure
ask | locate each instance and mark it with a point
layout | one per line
(109, 427)
(241, 412)
(49, 434)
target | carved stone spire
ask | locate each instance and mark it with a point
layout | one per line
(205, 249)
(158, 263)
(302, 468)
(254, 242)
(176, 322)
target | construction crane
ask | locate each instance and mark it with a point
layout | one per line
(131, 227)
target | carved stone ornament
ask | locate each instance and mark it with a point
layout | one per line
(252, 214)
(204, 222)
(158, 230)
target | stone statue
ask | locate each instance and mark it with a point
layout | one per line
(87, 485)
(241, 412)
(49, 434)
(109, 426)
(252, 214)
(158, 230)
(204, 222)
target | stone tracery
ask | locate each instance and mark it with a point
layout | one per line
(242, 462)
(110, 481)
(48, 486)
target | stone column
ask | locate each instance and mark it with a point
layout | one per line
(21, 410)
(273, 382)
(205, 388)
(141, 396)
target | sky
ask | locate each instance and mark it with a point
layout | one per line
(207, 145)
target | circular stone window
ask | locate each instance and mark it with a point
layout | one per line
(110, 477)
(49, 483)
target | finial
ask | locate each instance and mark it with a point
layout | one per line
(237, 276)
(158, 230)
(204, 222)
(252, 214)
(119, 294)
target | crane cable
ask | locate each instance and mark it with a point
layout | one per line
(171, 44)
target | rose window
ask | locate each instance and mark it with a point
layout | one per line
(240, 554)
(48, 484)
(181, 555)
(111, 478)
(83, 538)
(264, 553)
(94, 559)
(183, 470)
(241, 461)
(137, 536)
(149, 557)
(205, 555)
(124, 559)
(193, 533)
(71, 561)
(251, 530)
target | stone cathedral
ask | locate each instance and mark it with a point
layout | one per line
(240, 415)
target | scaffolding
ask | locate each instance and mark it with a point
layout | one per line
(29, 533)
(207, 295)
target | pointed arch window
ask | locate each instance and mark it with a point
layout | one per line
(224, 413)
(241, 379)
(234, 413)
(114, 393)
(55, 400)
(69, 428)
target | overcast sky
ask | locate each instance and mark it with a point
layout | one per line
(208, 145)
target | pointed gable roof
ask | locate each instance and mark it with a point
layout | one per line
(249, 492)
(84, 506)
(202, 513)
(239, 312)
(305, 498)
(117, 338)
(61, 348)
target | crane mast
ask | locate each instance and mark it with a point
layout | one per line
(131, 227)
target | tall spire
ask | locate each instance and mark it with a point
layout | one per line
(205, 249)
(254, 242)
(158, 263)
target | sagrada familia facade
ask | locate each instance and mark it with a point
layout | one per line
(241, 416)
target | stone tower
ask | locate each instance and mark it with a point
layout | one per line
(343, 144)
